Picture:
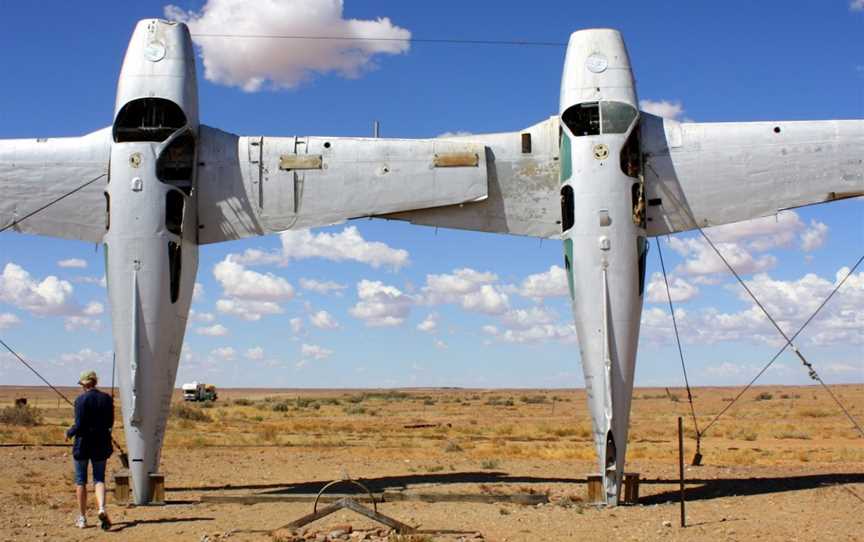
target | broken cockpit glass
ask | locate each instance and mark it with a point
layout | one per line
(595, 118)
(148, 119)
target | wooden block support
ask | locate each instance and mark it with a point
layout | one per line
(121, 487)
(596, 493)
(631, 488)
(157, 488)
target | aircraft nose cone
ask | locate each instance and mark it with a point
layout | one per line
(597, 67)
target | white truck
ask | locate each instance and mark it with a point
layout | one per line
(197, 391)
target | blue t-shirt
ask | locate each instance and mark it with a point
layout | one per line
(94, 417)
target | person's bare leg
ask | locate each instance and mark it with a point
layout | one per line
(81, 493)
(100, 495)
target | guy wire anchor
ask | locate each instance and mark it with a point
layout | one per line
(350, 504)
(697, 457)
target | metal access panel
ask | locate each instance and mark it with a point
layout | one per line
(314, 181)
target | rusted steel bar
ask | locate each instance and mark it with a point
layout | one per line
(681, 466)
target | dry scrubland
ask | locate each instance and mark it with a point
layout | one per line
(806, 454)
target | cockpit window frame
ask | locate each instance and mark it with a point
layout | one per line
(567, 118)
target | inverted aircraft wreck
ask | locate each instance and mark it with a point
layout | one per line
(601, 175)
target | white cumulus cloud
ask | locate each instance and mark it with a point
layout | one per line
(551, 283)
(679, 289)
(50, 296)
(471, 289)
(73, 263)
(7, 319)
(225, 352)
(663, 108)
(314, 351)
(381, 305)
(321, 286)
(255, 353)
(323, 320)
(256, 63)
(814, 236)
(239, 282)
(700, 258)
(430, 324)
(347, 245)
(249, 310)
(216, 330)
(296, 325)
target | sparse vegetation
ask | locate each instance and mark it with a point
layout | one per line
(182, 411)
(241, 401)
(764, 396)
(533, 399)
(24, 416)
(792, 434)
(489, 464)
(813, 413)
(282, 406)
(452, 447)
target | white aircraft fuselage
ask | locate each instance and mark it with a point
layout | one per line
(603, 222)
(151, 244)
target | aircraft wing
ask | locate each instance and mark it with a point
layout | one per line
(695, 173)
(716, 173)
(257, 185)
(35, 172)
(524, 186)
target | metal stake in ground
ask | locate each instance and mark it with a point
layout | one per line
(681, 466)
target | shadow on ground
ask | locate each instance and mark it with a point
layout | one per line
(728, 487)
(122, 525)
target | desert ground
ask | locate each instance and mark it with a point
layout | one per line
(782, 464)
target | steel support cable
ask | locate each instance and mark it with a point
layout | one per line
(124, 458)
(40, 209)
(812, 372)
(680, 350)
(406, 40)
(783, 348)
(35, 372)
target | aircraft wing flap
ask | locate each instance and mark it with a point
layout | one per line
(258, 185)
(35, 172)
(708, 174)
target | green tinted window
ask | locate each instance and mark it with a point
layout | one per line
(617, 117)
(583, 119)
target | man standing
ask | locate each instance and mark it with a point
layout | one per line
(94, 417)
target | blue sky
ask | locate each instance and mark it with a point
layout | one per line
(701, 61)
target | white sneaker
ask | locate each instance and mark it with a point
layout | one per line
(81, 522)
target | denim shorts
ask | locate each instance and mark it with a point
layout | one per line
(81, 471)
